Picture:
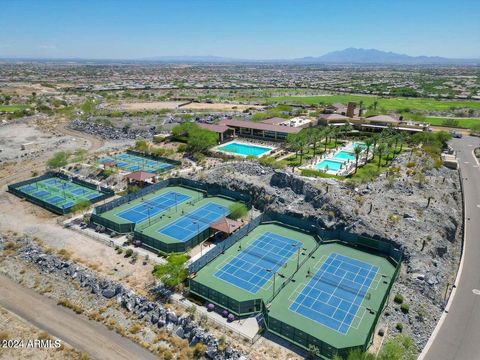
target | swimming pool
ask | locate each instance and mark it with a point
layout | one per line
(344, 155)
(329, 165)
(243, 149)
(359, 144)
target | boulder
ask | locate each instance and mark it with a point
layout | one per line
(109, 293)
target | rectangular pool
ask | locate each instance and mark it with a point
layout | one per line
(329, 165)
(344, 155)
(244, 149)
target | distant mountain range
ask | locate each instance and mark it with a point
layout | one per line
(373, 56)
(342, 57)
(346, 56)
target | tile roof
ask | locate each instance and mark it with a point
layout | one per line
(261, 126)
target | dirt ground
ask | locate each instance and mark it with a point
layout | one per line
(14, 328)
(26, 89)
(172, 105)
(26, 218)
(14, 135)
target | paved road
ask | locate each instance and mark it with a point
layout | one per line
(459, 335)
(83, 334)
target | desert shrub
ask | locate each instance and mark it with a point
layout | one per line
(58, 160)
(174, 271)
(238, 210)
(405, 308)
(398, 298)
(135, 328)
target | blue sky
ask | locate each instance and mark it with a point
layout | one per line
(255, 29)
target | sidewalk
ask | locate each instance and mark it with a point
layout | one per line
(247, 327)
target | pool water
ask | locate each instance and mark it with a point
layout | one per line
(344, 155)
(331, 164)
(360, 144)
(244, 149)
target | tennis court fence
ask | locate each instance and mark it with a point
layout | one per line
(15, 189)
(209, 190)
(172, 162)
(379, 246)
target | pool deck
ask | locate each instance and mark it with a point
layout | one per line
(348, 164)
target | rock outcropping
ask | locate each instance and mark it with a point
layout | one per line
(152, 311)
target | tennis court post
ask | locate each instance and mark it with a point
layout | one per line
(274, 276)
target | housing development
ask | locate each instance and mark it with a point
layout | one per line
(203, 207)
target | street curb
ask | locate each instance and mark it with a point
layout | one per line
(457, 278)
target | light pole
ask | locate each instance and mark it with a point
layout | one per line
(298, 247)
(274, 276)
(198, 233)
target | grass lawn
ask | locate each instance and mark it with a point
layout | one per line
(462, 122)
(386, 103)
(370, 170)
(294, 160)
(12, 108)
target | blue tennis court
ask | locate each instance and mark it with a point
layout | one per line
(55, 199)
(334, 294)
(154, 206)
(248, 270)
(41, 193)
(132, 162)
(192, 224)
(63, 193)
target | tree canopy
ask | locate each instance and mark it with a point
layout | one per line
(198, 140)
(174, 271)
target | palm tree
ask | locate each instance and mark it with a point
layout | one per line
(327, 132)
(302, 142)
(375, 138)
(368, 143)
(389, 144)
(380, 150)
(313, 138)
(335, 133)
(346, 128)
(401, 140)
(357, 150)
(292, 142)
(396, 138)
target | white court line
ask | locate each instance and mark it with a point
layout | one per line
(328, 270)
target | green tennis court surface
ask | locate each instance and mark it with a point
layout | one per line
(334, 297)
(253, 267)
(59, 192)
(190, 222)
(331, 301)
(130, 162)
(245, 271)
(152, 206)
